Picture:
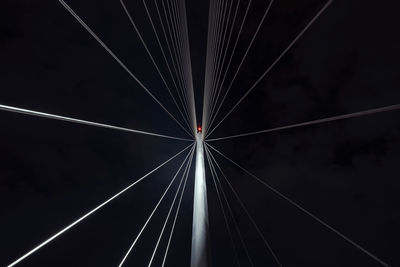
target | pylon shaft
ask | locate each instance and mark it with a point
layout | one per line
(199, 256)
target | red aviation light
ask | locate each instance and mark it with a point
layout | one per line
(199, 129)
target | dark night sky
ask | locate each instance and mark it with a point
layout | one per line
(346, 172)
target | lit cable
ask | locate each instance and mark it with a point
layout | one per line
(248, 214)
(72, 12)
(334, 118)
(154, 210)
(91, 212)
(84, 122)
(274, 63)
(184, 177)
(304, 210)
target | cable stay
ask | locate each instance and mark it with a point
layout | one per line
(230, 59)
(293, 203)
(209, 155)
(219, 72)
(188, 58)
(72, 12)
(218, 46)
(206, 89)
(83, 122)
(180, 48)
(174, 34)
(243, 58)
(154, 62)
(53, 237)
(267, 244)
(327, 4)
(176, 215)
(184, 177)
(221, 15)
(180, 88)
(155, 209)
(181, 32)
(213, 174)
(171, 42)
(334, 118)
(216, 13)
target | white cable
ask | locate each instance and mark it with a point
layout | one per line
(176, 216)
(276, 61)
(153, 60)
(72, 12)
(219, 25)
(243, 58)
(189, 64)
(219, 88)
(174, 48)
(184, 177)
(230, 59)
(248, 214)
(178, 82)
(154, 210)
(221, 52)
(334, 118)
(180, 45)
(230, 210)
(213, 175)
(84, 122)
(90, 212)
(305, 211)
(206, 95)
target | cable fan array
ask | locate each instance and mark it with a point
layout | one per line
(172, 38)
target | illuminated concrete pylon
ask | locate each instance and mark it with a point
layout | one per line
(200, 250)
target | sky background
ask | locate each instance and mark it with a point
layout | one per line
(345, 172)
